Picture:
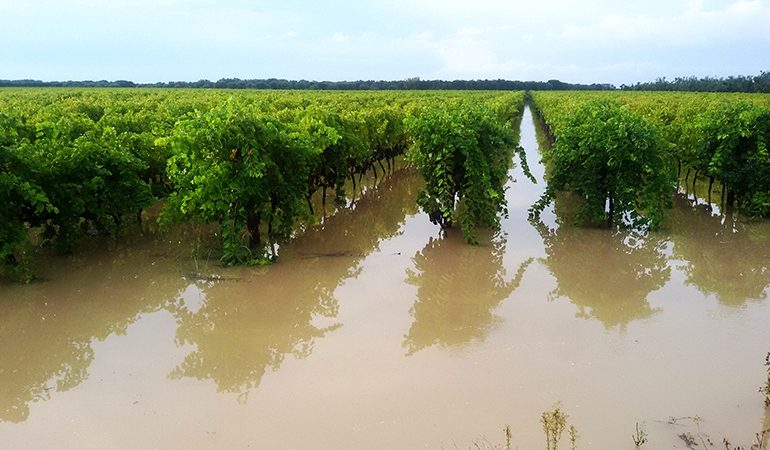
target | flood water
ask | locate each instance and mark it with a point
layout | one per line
(375, 331)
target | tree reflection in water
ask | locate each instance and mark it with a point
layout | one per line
(458, 288)
(607, 274)
(249, 326)
(724, 257)
(49, 327)
(246, 327)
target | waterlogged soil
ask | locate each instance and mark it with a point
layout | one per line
(375, 330)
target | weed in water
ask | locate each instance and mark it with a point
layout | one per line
(484, 444)
(508, 437)
(766, 388)
(640, 437)
(689, 439)
(702, 436)
(573, 435)
(554, 422)
(761, 440)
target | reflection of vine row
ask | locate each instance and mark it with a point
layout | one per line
(458, 288)
(724, 257)
(48, 330)
(35, 364)
(580, 258)
(248, 327)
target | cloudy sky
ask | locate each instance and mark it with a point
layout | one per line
(576, 41)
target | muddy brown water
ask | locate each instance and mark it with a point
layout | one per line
(375, 331)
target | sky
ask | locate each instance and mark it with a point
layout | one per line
(587, 41)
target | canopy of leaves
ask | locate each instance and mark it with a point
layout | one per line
(85, 162)
(463, 153)
(733, 145)
(239, 167)
(615, 162)
(69, 177)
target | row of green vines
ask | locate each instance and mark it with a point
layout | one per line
(464, 155)
(724, 138)
(80, 163)
(614, 161)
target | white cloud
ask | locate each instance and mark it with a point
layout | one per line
(586, 41)
(231, 26)
(339, 38)
(743, 20)
(466, 53)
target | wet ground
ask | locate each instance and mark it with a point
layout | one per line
(374, 330)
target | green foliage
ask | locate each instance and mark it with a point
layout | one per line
(67, 176)
(342, 149)
(463, 153)
(614, 161)
(253, 168)
(721, 136)
(93, 183)
(85, 162)
(22, 203)
(239, 167)
(733, 146)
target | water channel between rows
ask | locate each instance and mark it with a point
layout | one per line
(375, 331)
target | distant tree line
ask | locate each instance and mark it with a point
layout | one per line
(87, 83)
(275, 83)
(741, 83)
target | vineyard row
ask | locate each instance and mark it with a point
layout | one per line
(77, 163)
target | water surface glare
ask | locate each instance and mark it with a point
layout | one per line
(374, 330)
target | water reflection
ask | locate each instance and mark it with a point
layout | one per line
(606, 274)
(48, 328)
(248, 326)
(458, 288)
(244, 328)
(724, 257)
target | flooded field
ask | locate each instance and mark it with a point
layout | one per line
(376, 331)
